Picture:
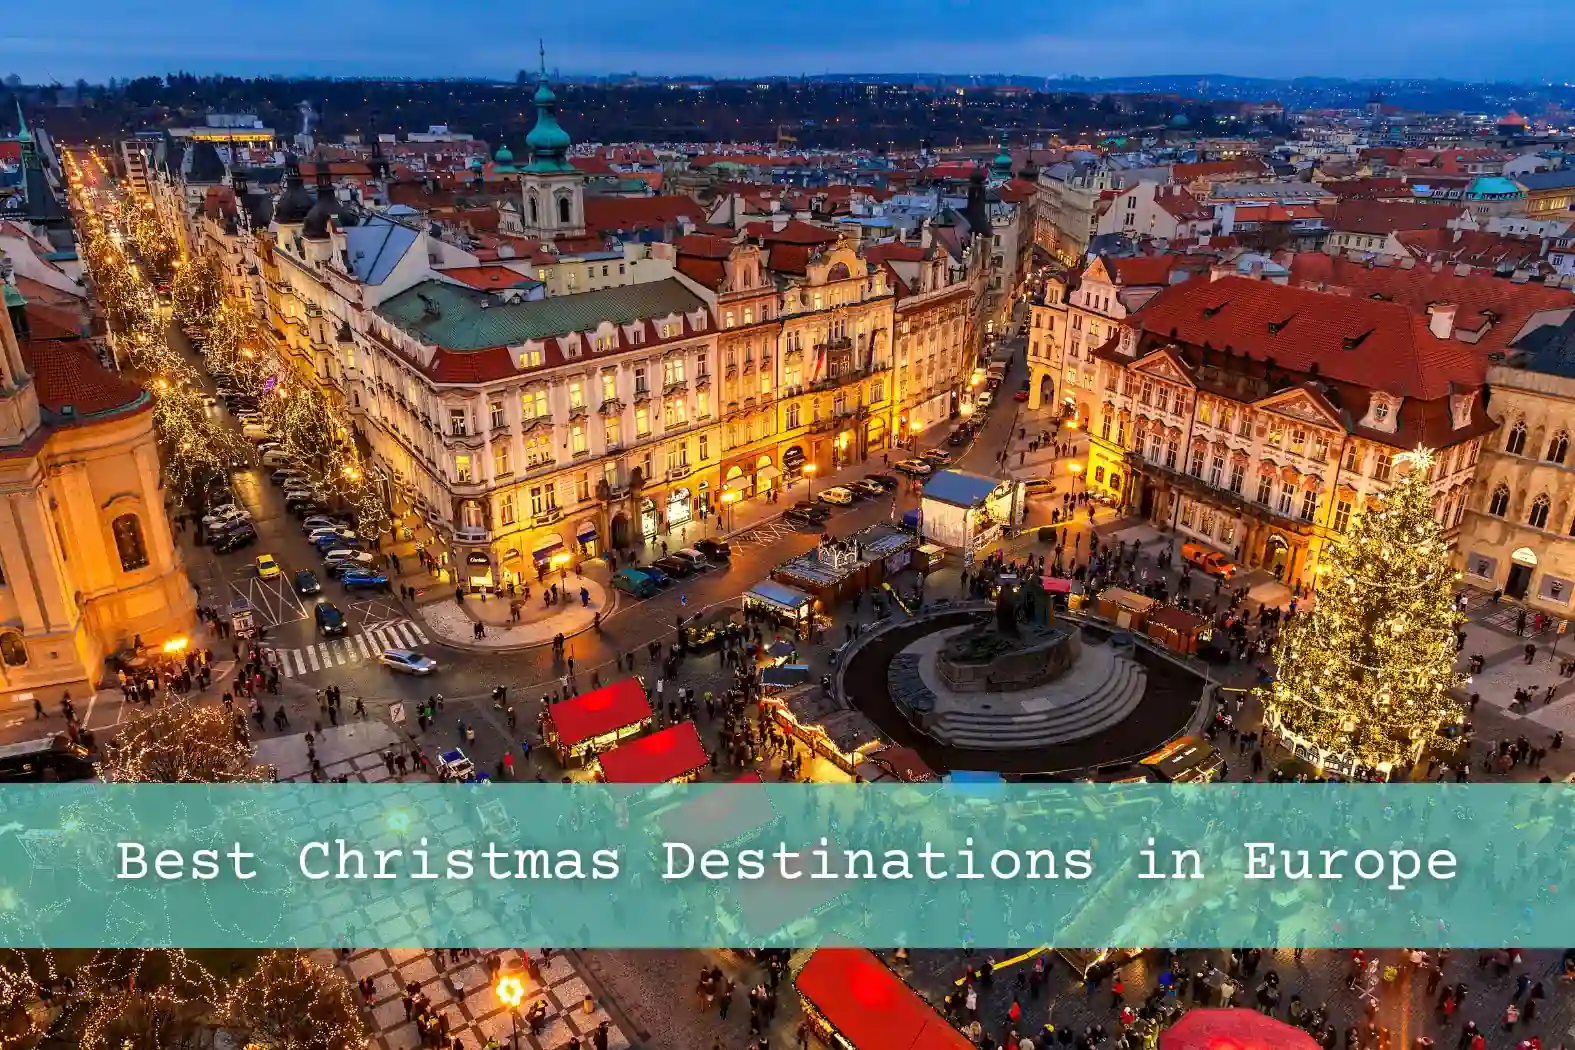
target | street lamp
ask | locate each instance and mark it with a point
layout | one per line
(1077, 473)
(809, 472)
(511, 992)
(728, 499)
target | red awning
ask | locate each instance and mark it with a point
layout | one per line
(599, 711)
(871, 1006)
(657, 758)
(1233, 1029)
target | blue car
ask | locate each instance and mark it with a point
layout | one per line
(657, 576)
(330, 543)
(356, 579)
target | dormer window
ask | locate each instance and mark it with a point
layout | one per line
(1380, 411)
(1460, 410)
(606, 340)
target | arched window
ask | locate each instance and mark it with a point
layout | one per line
(1515, 443)
(1559, 447)
(563, 211)
(1499, 505)
(534, 210)
(128, 541)
(12, 649)
(1539, 512)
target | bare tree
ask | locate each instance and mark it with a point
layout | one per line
(290, 1002)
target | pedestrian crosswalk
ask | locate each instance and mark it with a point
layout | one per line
(355, 648)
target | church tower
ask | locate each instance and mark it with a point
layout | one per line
(552, 190)
(19, 414)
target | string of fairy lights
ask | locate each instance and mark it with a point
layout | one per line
(1367, 674)
(145, 999)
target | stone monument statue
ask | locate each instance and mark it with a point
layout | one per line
(1006, 611)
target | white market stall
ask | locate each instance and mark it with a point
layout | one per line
(967, 511)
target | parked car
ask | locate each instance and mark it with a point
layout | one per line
(936, 456)
(330, 621)
(224, 515)
(254, 433)
(1038, 484)
(1022, 392)
(836, 495)
(985, 399)
(301, 508)
(334, 529)
(337, 562)
(363, 579)
(285, 475)
(319, 521)
(277, 457)
(406, 661)
(958, 437)
(334, 542)
(696, 560)
(715, 550)
(306, 582)
(660, 578)
(635, 582)
(885, 481)
(814, 510)
(866, 487)
(243, 535)
(801, 518)
(915, 467)
(675, 567)
(267, 567)
(1212, 562)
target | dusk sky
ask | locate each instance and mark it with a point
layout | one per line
(1457, 39)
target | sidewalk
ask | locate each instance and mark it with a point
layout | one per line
(455, 623)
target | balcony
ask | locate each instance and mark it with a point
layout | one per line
(550, 516)
(611, 407)
(499, 429)
(472, 534)
(683, 470)
(578, 411)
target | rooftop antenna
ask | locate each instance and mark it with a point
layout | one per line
(541, 49)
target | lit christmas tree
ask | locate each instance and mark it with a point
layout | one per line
(1366, 676)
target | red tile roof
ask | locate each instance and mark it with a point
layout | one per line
(794, 231)
(1380, 217)
(788, 258)
(704, 246)
(1474, 247)
(66, 376)
(10, 151)
(1139, 270)
(1216, 169)
(488, 277)
(593, 165)
(1363, 342)
(1180, 204)
(1501, 306)
(1368, 189)
(708, 272)
(605, 215)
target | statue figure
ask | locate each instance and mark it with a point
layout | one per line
(1006, 611)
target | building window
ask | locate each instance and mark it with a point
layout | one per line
(1285, 500)
(1104, 426)
(458, 422)
(506, 509)
(1099, 475)
(1342, 515)
(672, 371)
(576, 394)
(1196, 469)
(1498, 506)
(612, 433)
(1539, 512)
(1146, 392)
(1309, 504)
(1265, 486)
(642, 421)
(582, 484)
(13, 650)
(498, 419)
(1349, 460)
(705, 448)
(792, 417)
(128, 541)
(1217, 471)
(462, 469)
(500, 461)
(1188, 513)
(1319, 452)
(543, 500)
(1382, 462)
(639, 381)
(533, 404)
(1559, 447)
(1238, 475)
(609, 387)
(1172, 450)
(538, 450)
(577, 439)
(1515, 443)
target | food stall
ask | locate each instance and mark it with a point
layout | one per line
(853, 1001)
(898, 763)
(780, 603)
(967, 511)
(783, 676)
(713, 628)
(1185, 760)
(1127, 609)
(838, 569)
(841, 736)
(669, 756)
(579, 727)
(1176, 628)
(929, 557)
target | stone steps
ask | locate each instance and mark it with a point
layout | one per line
(1111, 701)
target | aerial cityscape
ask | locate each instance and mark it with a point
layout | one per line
(513, 417)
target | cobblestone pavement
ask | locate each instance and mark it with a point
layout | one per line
(1319, 977)
(655, 990)
(464, 994)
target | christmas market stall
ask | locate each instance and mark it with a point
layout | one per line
(1176, 628)
(968, 511)
(669, 756)
(581, 726)
(1234, 1029)
(1185, 760)
(779, 603)
(1126, 609)
(836, 570)
(843, 737)
(853, 1001)
(897, 763)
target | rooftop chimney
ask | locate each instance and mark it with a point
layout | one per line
(1441, 319)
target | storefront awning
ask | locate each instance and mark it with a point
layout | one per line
(546, 548)
(586, 532)
(870, 1006)
(599, 712)
(778, 595)
(738, 484)
(656, 759)
(793, 456)
(768, 474)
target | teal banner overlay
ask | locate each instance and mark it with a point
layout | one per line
(1070, 865)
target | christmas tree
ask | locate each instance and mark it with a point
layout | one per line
(1367, 674)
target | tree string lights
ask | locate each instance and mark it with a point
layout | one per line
(1367, 674)
(182, 744)
(289, 1002)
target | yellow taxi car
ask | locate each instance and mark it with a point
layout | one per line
(267, 567)
(1211, 562)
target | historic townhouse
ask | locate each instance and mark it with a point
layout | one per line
(1259, 418)
(1517, 535)
(1047, 328)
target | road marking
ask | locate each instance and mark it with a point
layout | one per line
(87, 716)
(300, 667)
(311, 657)
(360, 643)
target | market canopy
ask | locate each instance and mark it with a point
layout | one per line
(656, 759)
(960, 489)
(599, 712)
(1233, 1029)
(789, 599)
(871, 1006)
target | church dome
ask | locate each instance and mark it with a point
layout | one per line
(504, 155)
(475, 164)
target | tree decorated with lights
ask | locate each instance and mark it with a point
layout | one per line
(21, 1024)
(289, 1002)
(182, 744)
(1367, 674)
(144, 998)
(197, 293)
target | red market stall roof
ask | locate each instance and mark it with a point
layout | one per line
(600, 711)
(871, 1006)
(1233, 1029)
(657, 758)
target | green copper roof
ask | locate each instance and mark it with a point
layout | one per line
(452, 317)
(548, 142)
(504, 155)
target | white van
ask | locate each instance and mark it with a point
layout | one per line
(254, 432)
(277, 457)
